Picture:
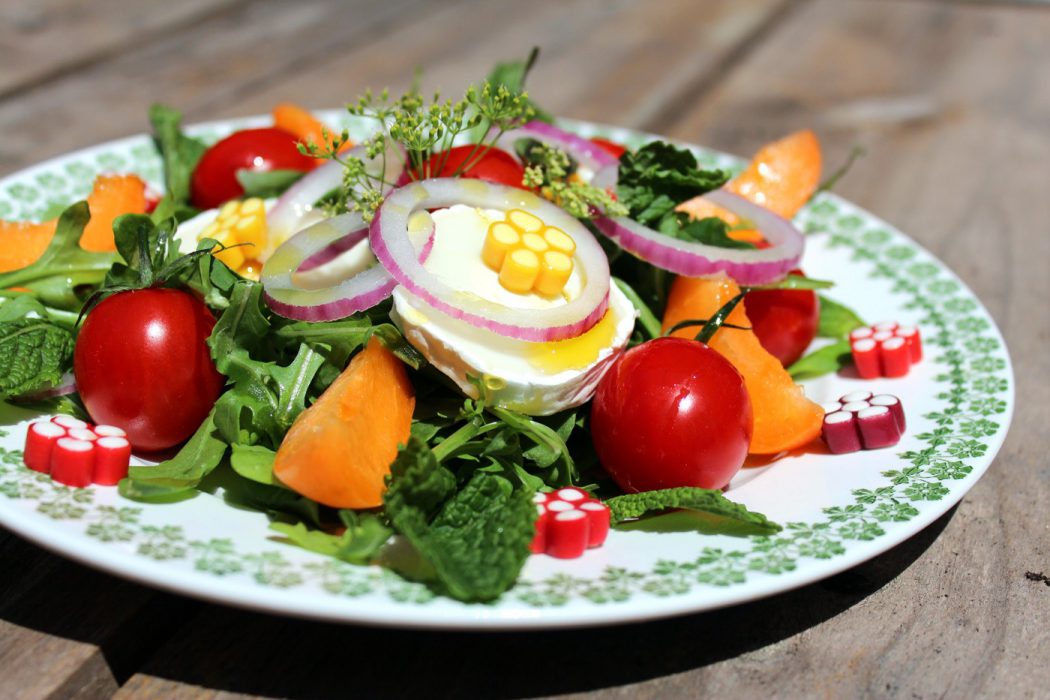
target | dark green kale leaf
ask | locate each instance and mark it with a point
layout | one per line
(476, 539)
(707, 501)
(658, 177)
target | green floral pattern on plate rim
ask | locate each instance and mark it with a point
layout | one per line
(953, 444)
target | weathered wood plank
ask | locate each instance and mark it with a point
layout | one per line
(322, 54)
(41, 40)
(949, 103)
(67, 631)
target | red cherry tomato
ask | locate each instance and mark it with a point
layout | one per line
(671, 412)
(611, 147)
(495, 166)
(215, 177)
(141, 364)
(785, 320)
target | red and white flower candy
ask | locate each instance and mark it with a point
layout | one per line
(570, 522)
(76, 453)
(863, 421)
(886, 349)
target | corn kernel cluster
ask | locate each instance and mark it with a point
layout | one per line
(239, 222)
(528, 254)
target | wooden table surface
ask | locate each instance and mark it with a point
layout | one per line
(951, 100)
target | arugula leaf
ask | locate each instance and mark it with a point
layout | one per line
(828, 359)
(58, 275)
(836, 320)
(254, 462)
(364, 536)
(658, 177)
(177, 477)
(267, 183)
(476, 539)
(179, 152)
(34, 351)
(709, 501)
(709, 231)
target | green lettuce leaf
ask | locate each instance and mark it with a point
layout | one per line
(836, 320)
(180, 152)
(177, 477)
(826, 360)
(359, 543)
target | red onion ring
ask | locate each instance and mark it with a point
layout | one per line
(317, 297)
(699, 260)
(292, 207)
(390, 241)
(583, 151)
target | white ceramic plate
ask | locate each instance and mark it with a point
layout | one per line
(838, 510)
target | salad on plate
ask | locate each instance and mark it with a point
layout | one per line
(469, 338)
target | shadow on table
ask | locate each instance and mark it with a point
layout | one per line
(252, 653)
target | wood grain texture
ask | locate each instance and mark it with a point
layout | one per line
(43, 39)
(949, 103)
(952, 105)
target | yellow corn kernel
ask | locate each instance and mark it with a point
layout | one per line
(500, 238)
(555, 270)
(524, 221)
(229, 210)
(252, 206)
(519, 271)
(250, 229)
(559, 240)
(535, 243)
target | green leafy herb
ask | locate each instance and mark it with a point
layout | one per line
(254, 462)
(476, 539)
(359, 543)
(177, 477)
(66, 273)
(794, 281)
(836, 320)
(512, 75)
(708, 231)
(658, 177)
(34, 351)
(854, 154)
(711, 502)
(548, 169)
(267, 183)
(180, 153)
(826, 360)
(648, 320)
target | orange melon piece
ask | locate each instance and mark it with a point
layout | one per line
(111, 196)
(339, 450)
(781, 177)
(21, 243)
(784, 419)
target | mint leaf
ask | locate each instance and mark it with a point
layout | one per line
(179, 152)
(826, 360)
(34, 353)
(476, 539)
(658, 177)
(359, 543)
(267, 183)
(836, 320)
(708, 501)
